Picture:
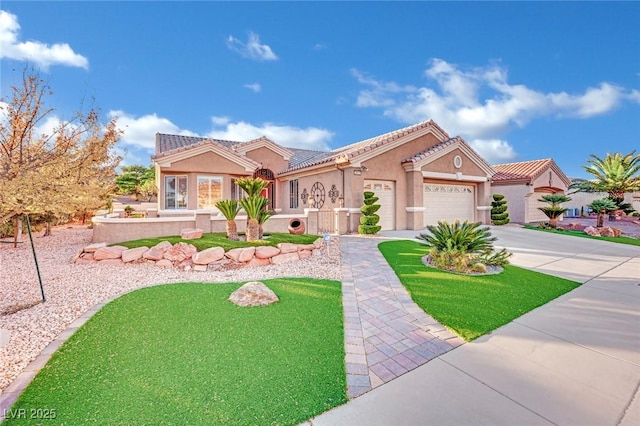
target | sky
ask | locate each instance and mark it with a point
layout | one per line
(517, 80)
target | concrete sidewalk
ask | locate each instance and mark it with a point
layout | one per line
(573, 361)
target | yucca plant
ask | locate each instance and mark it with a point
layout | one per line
(460, 246)
(554, 210)
(230, 209)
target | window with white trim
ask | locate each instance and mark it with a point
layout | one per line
(237, 193)
(209, 191)
(293, 194)
(175, 192)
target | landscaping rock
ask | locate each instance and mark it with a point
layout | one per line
(200, 268)
(266, 252)
(164, 263)
(305, 254)
(287, 248)
(113, 252)
(285, 257)
(180, 252)
(253, 293)
(319, 243)
(87, 256)
(157, 252)
(256, 261)
(93, 247)
(209, 255)
(590, 230)
(191, 233)
(234, 254)
(111, 262)
(133, 254)
(247, 254)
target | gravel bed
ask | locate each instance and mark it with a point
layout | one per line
(72, 289)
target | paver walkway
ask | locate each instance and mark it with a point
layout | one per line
(386, 333)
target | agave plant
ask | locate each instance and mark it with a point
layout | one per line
(554, 210)
(230, 209)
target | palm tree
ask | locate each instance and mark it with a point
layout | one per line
(263, 216)
(601, 207)
(554, 210)
(230, 208)
(616, 174)
(253, 204)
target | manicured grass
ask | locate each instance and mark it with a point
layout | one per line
(219, 239)
(470, 305)
(183, 354)
(620, 240)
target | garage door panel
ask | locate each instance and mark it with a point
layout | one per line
(385, 191)
(448, 202)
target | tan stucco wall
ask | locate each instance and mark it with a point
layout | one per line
(207, 162)
(327, 178)
(515, 195)
(444, 164)
(268, 159)
(556, 182)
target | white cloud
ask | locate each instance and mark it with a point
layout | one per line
(256, 87)
(139, 132)
(495, 151)
(480, 104)
(634, 96)
(34, 51)
(319, 46)
(252, 49)
(308, 138)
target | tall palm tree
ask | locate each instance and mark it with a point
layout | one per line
(615, 174)
(230, 209)
(554, 210)
(253, 204)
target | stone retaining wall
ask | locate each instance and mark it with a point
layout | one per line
(186, 257)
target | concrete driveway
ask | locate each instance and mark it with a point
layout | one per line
(574, 361)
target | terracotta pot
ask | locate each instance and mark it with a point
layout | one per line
(296, 227)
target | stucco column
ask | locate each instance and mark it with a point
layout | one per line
(342, 225)
(203, 221)
(312, 220)
(483, 211)
(415, 200)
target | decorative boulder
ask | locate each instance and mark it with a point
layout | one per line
(266, 252)
(590, 230)
(253, 293)
(113, 252)
(156, 252)
(191, 233)
(209, 255)
(180, 252)
(133, 254)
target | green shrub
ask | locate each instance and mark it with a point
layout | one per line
(499, 215)
(369, 220)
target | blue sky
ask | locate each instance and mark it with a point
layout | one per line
(518, 81)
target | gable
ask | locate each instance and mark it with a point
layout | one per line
(167, 159)
(445, 164)
(268, 158)
(206, 162)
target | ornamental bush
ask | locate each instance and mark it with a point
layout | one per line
(499, 214)
(369, 220)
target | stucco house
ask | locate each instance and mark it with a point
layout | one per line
(420, 174)
(523, 184)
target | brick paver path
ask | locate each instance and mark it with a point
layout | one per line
(386, 333)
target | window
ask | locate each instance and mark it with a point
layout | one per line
(175, 192)
(237, 193)
(293, 194)
(209, 191)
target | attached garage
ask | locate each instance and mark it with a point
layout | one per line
(448, 202)
(385, 191)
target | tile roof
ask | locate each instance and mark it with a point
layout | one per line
(166, 142)
(524, 170)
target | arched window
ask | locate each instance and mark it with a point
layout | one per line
(270, 190)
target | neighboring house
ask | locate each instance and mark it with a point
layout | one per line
(420, 174)
(580, 200)
(524, 183)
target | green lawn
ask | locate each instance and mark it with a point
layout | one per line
(219, 239)
(620, 240)
(470, 305)
(183, 354)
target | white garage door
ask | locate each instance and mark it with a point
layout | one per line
(385, 191)
(533, 214)
(448, 202)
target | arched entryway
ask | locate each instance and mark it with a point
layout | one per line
(270, 191)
